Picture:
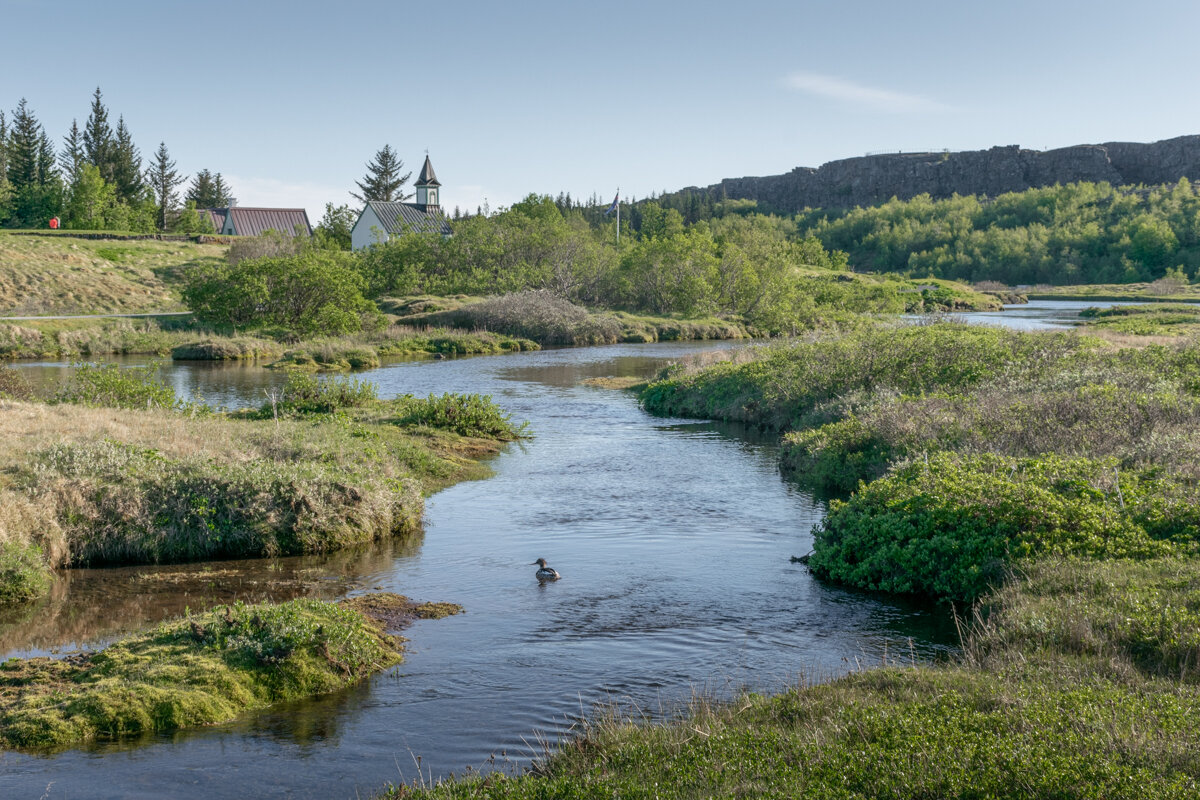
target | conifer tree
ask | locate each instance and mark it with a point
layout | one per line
(163, 181)
(47, 168)
(209, 190)
(98, 141)
(200, 192)
(5, 186)
(127, 166)
(222, 194)
(23, 140)
(73, 157)
(383, 180)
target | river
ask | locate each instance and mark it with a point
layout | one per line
(674, 539)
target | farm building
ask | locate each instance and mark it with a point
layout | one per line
(242, 221)
(382, 219)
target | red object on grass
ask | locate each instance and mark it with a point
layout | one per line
(54, 223)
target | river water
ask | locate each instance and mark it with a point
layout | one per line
(674, 539)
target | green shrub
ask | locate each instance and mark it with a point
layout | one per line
(23, 572)
(14, 385)
(306, 394)
(953, 526)
(118, 387)
(224, 349)
(464, 414)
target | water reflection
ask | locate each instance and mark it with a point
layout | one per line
(674, 538)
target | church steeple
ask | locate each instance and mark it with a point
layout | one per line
(427, 187)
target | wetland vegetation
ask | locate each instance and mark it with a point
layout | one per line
(203, 669)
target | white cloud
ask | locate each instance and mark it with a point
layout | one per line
(274, 193)
(859, 95)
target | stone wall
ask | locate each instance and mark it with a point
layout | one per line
(875, 179)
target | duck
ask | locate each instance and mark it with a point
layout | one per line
(546, 573)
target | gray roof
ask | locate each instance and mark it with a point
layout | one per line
(255, 221)
(403, 217)
(427, 178)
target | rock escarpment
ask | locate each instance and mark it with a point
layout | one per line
(873, 179)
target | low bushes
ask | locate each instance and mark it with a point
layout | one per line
(225, 349)
(464, 414)
(952, 527)
(118, 387)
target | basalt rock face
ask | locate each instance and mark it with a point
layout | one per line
(870, 180)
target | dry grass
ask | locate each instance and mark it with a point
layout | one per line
(101, 485)
(59, 275)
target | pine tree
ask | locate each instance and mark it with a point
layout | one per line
(47, 168)
(222, 193)
(200, 192)
(23, 141)
(127, 166)
(209, 190)
(98, 142)
(383, 180)
(73, 156)
(163, 181)
(5, 187)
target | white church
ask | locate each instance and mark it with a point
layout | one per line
(382, 219)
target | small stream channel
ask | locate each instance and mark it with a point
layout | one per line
(673, 538)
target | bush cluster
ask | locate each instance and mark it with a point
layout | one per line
(952, 526)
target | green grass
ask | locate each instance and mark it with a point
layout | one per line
(1080, 683)
(200, 670)
(100, 485)
(58, 274)
(1051, 477)
(1166, 319)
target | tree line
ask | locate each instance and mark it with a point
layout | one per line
(97, 179)
(1064, 234)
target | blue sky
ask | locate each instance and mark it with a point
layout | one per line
(290, 99)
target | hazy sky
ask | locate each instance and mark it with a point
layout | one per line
(290, 99)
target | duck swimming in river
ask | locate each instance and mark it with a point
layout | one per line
(545, 573)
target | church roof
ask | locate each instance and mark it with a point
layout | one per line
(427, 177)
(403, 217)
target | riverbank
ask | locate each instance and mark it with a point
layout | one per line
(1085, 571)
(328, 466)
(1079, 683)
(203, 669)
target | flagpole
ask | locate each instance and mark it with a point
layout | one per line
(618, 216)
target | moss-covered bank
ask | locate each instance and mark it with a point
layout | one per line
(203, 669)
(92, 485)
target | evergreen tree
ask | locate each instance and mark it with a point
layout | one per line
(383, 180)
(36, 191)
(47, 169)
(222, 194)
(73, 156)
(5, 186)
(127, 166)
(23, 141)
(163, 181)
(200, 192)
(98, 143)
(209, 190)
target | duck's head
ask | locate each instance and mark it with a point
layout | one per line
(541, 562)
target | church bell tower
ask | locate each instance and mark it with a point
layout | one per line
(427, 187)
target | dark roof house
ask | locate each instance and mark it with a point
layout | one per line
(242, 221)
(382, 219)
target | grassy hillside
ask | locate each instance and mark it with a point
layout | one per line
(48, 275)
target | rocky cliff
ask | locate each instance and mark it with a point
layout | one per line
(875, 179)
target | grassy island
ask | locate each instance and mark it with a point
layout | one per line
(203, 669)
(330, 465)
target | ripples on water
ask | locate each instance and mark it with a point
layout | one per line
(673, 538)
